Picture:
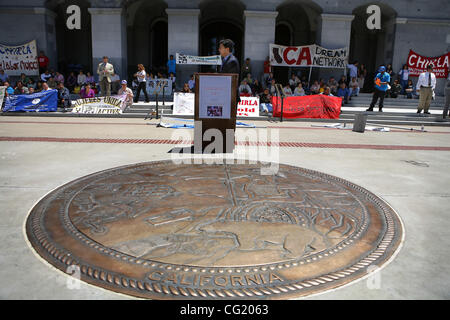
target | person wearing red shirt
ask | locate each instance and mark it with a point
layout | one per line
(43, 62)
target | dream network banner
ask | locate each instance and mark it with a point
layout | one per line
(418, 64)
(187, 59)
(39, 101)
(314, 106)
(308, 56)
(19, 59)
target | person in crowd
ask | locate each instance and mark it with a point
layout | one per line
(390, 71)
(24, 79)
(124, 90)
(327, 92)
(81, 79)
(269, 80)
(381, 82)
(246, 68)
(191, 83)
(71, 81)
(51, 83)
(353, 70)
(354, 88)
(90, 78)
(43, 62)
(426, 85)
(141, 77)
(343, 79)
(362, 74)
(396, 89)
(105, 71)
(9, 90)
(299, 91)
(267, 71)
(287, 90)
(31, 83)
(265, 101)
(256, 88)
(172, 78)
(322, 86)
(403, 76)
(63, 96)
(332, 83)
(151, 76)
(410, 90)
(45, 86)
(20, 88)
(249, 79)
(272, 88)
(31, 90)
(59, 77)
(244, 89)
(447, 97)
(46, 75)
(52, 72)
(343, 92)
(87, 92)
(293, 82)
(186, 88)
(160, 75)
(3, 76)
(39, 86)
(315, 87)
(115, 83)
(171, 65)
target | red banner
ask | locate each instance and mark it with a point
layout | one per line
(314, 106)
(418, 64)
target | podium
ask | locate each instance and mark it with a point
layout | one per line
(215, 112)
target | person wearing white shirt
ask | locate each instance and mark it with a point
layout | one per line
(81, 79)
(425, 86)
(353, 69)
(299, 91)
(141, 76)
(245, 88)
(354, 87)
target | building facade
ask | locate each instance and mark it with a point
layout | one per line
(147, 31)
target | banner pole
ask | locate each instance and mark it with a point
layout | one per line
(309, 78)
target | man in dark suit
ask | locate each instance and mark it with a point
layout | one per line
(229, 62)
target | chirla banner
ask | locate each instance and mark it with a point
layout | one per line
(38, 102)
(208, 60)
(418, 64)
(308, 56)
(314, 106)
(183, 103)
(19, 59)
(248, 107)
(100, 105)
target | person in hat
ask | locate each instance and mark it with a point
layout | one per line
(124, 90)
(425, 87)
(381, 81)
(105, 70)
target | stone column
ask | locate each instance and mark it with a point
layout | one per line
(109, 38)
(183, 37)
(259, 33)
(334, 33)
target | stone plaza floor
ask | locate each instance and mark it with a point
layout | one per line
(410, 170)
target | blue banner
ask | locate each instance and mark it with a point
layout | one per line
(39, 101)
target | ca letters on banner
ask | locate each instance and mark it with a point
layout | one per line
(308, 56)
